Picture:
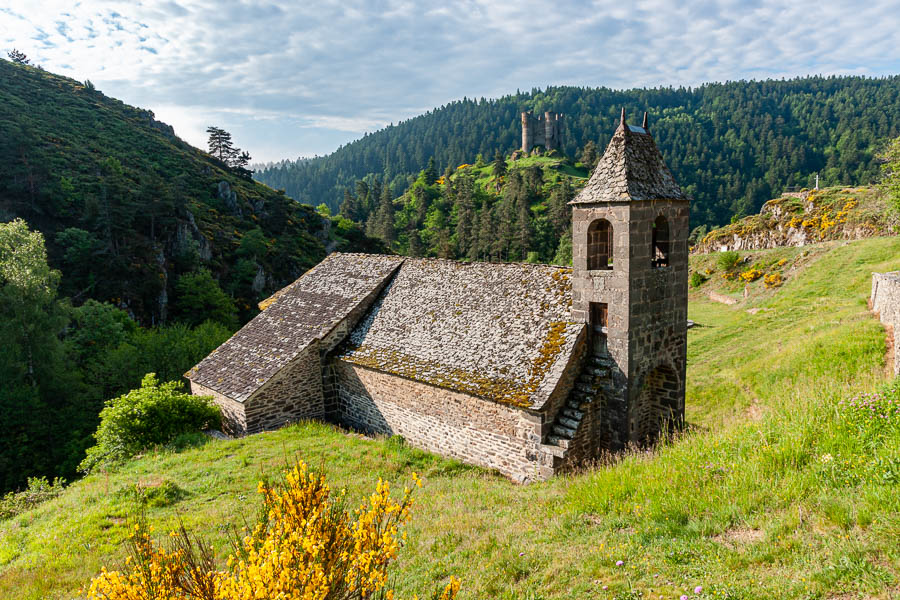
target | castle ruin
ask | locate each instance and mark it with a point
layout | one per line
(540, 132)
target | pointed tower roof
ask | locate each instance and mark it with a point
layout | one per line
(631, 169)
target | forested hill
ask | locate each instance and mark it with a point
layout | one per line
(732, 146)
(127, 208)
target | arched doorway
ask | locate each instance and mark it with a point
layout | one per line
(658, 407)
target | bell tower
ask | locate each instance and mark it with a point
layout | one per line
(630, 225)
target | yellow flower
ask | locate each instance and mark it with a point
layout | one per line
(306, 548)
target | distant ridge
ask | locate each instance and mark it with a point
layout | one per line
(731, 145)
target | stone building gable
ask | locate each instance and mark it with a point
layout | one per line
(300, 314)
(632, 169)
(497, 331)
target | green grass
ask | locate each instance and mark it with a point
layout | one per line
(771, 493)
(554, 167)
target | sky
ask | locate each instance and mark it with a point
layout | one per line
(291, 79)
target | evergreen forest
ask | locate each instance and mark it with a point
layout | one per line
(731, 146)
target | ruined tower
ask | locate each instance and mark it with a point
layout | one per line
(540, 132)
(630, 255)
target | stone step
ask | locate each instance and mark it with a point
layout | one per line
(602, 361)
(584, 387)
(563, 431)
(580, 398)
(558, 441)
(569, 422)
(556, 451)
(598, 371)
(573, 413)
(577, 404)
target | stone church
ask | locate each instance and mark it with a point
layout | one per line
(527, 369)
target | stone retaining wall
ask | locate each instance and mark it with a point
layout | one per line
(885, 302)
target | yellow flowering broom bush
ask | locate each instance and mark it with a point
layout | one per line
(306, 546)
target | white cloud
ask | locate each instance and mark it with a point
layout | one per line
(294, 78)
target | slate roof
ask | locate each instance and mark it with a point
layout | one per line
(301, 313)
(497, 331)
(631, 169)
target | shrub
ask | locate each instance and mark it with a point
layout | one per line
(751, 274)
(39, 490)
(697, 279)
(773, 280)
(154, 414)
(306, 545)
(728, 260)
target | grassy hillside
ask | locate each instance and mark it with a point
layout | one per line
(776, 491)
(109, 185)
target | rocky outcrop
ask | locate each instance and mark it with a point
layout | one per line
(229, 197)
(802, 218)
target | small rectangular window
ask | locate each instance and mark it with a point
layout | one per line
(599, 315)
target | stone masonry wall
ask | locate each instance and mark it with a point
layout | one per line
(454, 424)
(293, 394)
(885, 302)
(658, 319)
(613, 288)
(234, 421)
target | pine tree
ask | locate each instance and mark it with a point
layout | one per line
(220, 146)
(348, 208)
(219, 143)
(589, 156)
(464, 216)
(524, 229)
(444, 247)
(499, 165)
(384, 220)
(415, 242)
(560, 211)
(485, 232)
(430, 172)
(18, 57)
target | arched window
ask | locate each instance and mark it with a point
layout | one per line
(599, 245)
(660, 249)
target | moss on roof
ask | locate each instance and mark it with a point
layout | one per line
(492, 330)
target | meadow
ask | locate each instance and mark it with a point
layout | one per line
(783, 485)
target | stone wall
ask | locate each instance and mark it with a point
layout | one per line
(451, 423)
(234, 421)
(885, 302)
(293, 394)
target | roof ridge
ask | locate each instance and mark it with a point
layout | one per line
(631, 169)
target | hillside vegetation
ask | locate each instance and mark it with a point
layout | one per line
(783, 486)
(513, 209)
(800, 218)
(732, 145)
(109, 185)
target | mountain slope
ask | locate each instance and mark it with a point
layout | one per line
(127, 207)
(731, 145)
(778, 490)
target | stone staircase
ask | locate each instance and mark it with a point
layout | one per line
(596, 376)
